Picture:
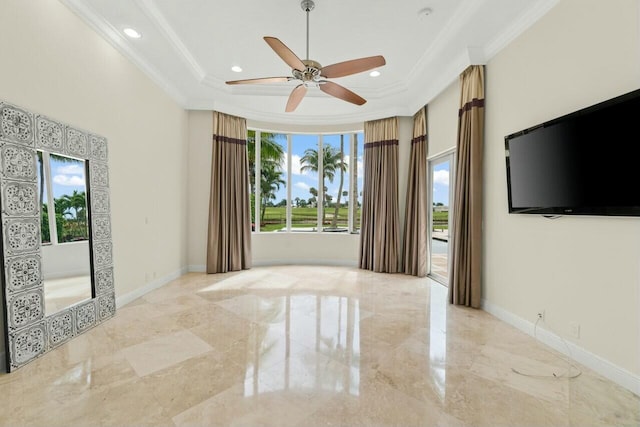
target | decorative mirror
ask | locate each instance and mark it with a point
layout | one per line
(57, 269)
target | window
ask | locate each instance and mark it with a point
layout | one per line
(301, 190)
(62, 192)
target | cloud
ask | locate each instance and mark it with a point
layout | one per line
(69, 180)
(302, 186)
(72, 169)
(295, 165)
(441, 177)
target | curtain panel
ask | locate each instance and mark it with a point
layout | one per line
(229, 235)
(415, 254)
(466, 258)
(379, 234)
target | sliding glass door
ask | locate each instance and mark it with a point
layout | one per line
(441, 200)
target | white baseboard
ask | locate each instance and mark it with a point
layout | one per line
(592, 361)
(330, 262)
(339, 263)
(155, 284)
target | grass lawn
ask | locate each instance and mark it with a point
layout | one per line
(275, 218)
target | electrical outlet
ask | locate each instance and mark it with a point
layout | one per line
(574, 329)
(540, 315)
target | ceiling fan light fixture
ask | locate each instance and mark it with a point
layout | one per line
(310, 73)
(236, 69)
(374, 73)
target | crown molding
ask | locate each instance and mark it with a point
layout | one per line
(160, 22)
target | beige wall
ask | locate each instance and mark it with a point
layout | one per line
(53, 64)
(578, 269)
(442, 120)
(199, 184)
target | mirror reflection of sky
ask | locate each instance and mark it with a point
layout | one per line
(66, 177)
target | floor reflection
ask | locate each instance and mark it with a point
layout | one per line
(295, 349)
(305, 346)
(64, 292)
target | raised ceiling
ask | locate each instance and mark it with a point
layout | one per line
(189, 46)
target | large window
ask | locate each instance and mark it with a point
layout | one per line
(308, 182)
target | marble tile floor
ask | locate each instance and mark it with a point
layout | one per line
(306, 346)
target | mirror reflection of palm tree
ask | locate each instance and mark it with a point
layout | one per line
(70, 210)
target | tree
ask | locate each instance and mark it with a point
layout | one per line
(271, 160)
(270, 182)
(342, 167)
(355, 217)
(314, 193)
(62, 206)
(297, 200)
(332, 161)
(74, 207)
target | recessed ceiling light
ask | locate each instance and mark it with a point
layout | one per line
(236, 69)
(374, 73)
(132, 33)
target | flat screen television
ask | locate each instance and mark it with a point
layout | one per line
(583, 163)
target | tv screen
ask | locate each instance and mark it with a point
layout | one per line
(583, 163)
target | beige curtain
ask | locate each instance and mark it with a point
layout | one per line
(466, 258)
(229, 238)
(379, 237)
(415, 254)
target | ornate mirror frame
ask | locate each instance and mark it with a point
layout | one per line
(29, 333)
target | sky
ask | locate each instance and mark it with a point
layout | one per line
(302, 181)
(66, 177)
(441, 183)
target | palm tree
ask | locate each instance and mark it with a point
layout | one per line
(75, 206)
(314, 193)
(270, 182)
(61, 206)
(271, 160)
(332, 161)
(270, 152)
(354, 196)
(342, 167)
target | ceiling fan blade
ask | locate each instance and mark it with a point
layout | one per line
(260, 80)
(285, 53)
(354, 66)
(296, 96)
(341, 92)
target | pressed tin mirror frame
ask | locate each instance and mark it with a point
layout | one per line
(29, 333)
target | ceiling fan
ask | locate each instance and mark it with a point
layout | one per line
(312, 74)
